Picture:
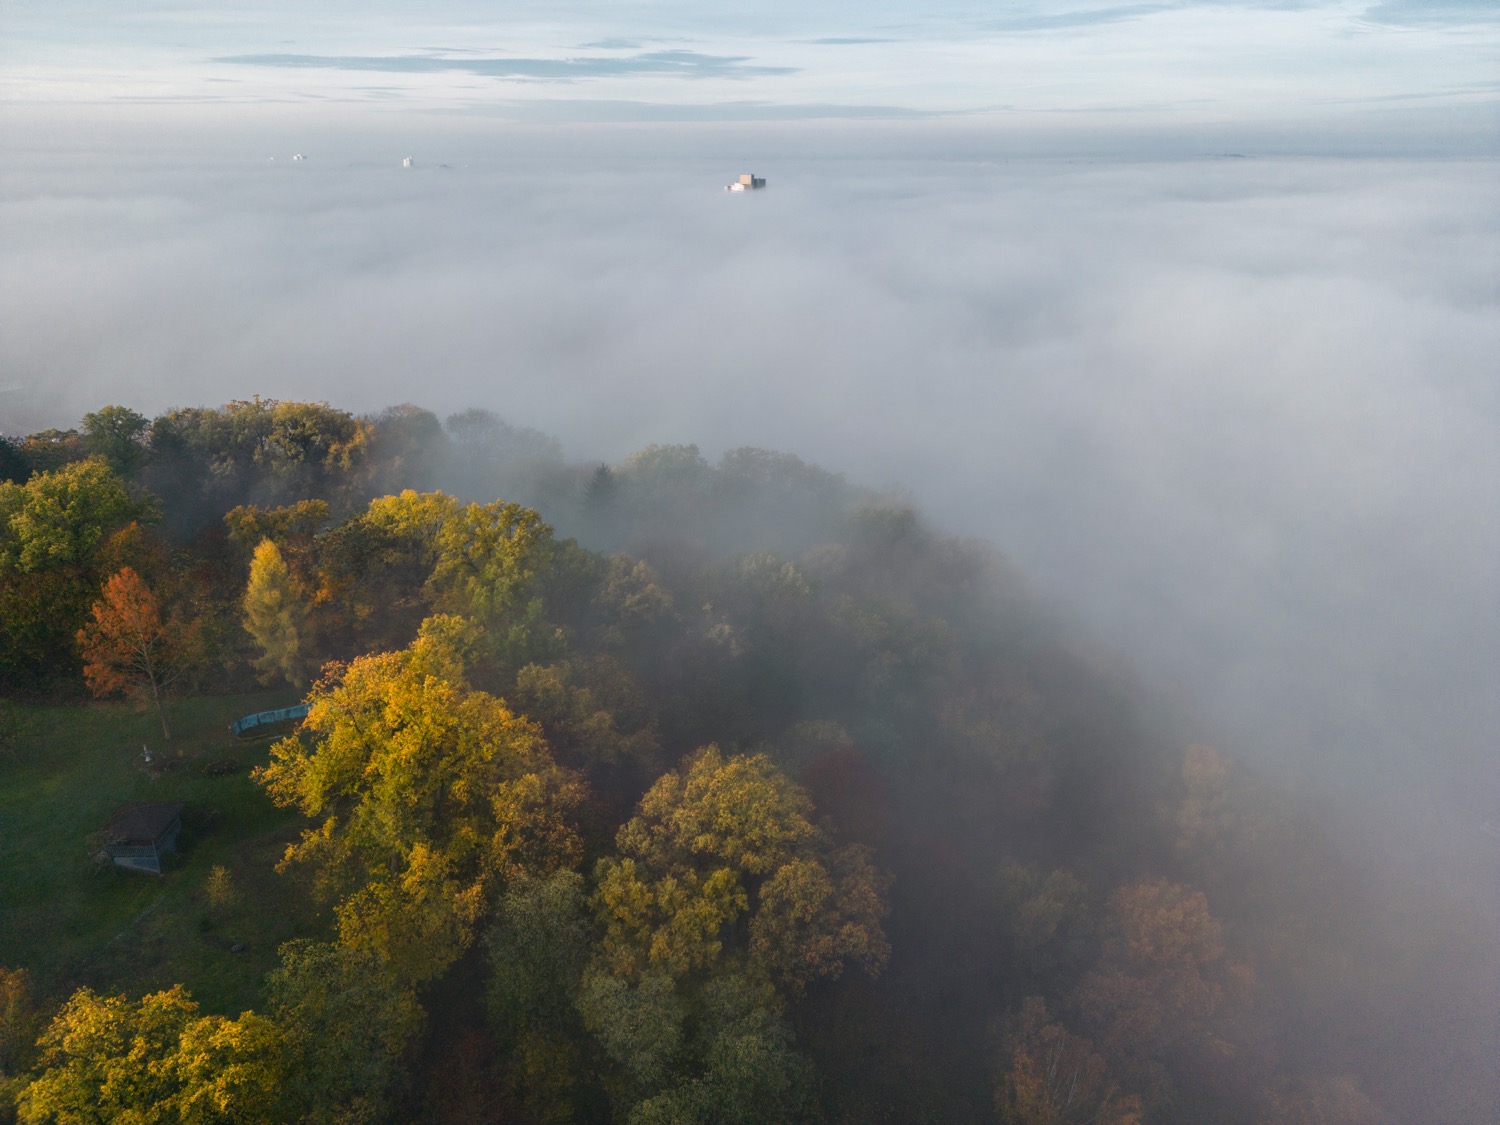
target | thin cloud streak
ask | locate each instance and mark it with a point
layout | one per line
(681, 64)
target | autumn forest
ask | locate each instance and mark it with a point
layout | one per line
(660, 792)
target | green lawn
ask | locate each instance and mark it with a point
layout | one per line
(70, 923)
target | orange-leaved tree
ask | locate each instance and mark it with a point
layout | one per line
(130, 646)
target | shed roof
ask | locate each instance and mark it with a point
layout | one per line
(142, 820)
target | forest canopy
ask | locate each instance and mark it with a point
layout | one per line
(670, 791)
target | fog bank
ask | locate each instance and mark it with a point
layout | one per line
(1238, 413)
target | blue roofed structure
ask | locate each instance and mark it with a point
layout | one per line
(266, 718)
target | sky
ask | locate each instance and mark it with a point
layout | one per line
(1401, 67)
(1191, 308)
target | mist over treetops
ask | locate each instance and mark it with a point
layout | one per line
(665, 790)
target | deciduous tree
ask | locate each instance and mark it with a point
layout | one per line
(726, 838)
(276, 618)
(110, 1059)
(230, 1070)
(592, 710)
(119, 435)
(292, 523)
(59, 518)
(20, 1023)
(539, 947)
(153, 1061)
(427, 796)
(53, 530)
(1163, 977)
(130, 646)
(1052, 1077)
(747, 1071)
(13, 466)
(346, 1025)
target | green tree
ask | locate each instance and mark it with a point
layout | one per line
(56, 532)
(120, 436)
(427, 794)
(13, 466)
(60, 518)
(489, 562)
(47, 450)
(496, 563)
(20, 1023)
(539, 947)
(308, 440)
(488, 457)
(346, 1026)
(328, 1051)
(592, 710)
(631, 603)
(292, 523)
(639, 1025)
(491, 559)
(39, 618)
(725, 1058)
(219, 890)
(276, 618)
(206, 461)
(1044, 921)
(748, 1071)
(407, 448)
(371, 586)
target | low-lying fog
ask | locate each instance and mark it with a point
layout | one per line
(1240, 413)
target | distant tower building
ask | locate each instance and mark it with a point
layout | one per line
(406, 163)
(748, 181)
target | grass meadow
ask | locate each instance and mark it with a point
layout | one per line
(70, 921)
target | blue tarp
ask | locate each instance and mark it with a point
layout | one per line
(261, 718)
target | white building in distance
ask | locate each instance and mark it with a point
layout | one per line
(406, 163)
(748, 181)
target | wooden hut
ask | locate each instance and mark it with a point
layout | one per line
(139, 834)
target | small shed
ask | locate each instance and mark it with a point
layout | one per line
(139, 834)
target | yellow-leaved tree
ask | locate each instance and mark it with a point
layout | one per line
(730, 837)
(488, 562)
(153, 1060)
(726, 900)
(426, 795)
(329, 1050)
(277, 618)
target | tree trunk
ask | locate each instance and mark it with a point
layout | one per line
(166, 732)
